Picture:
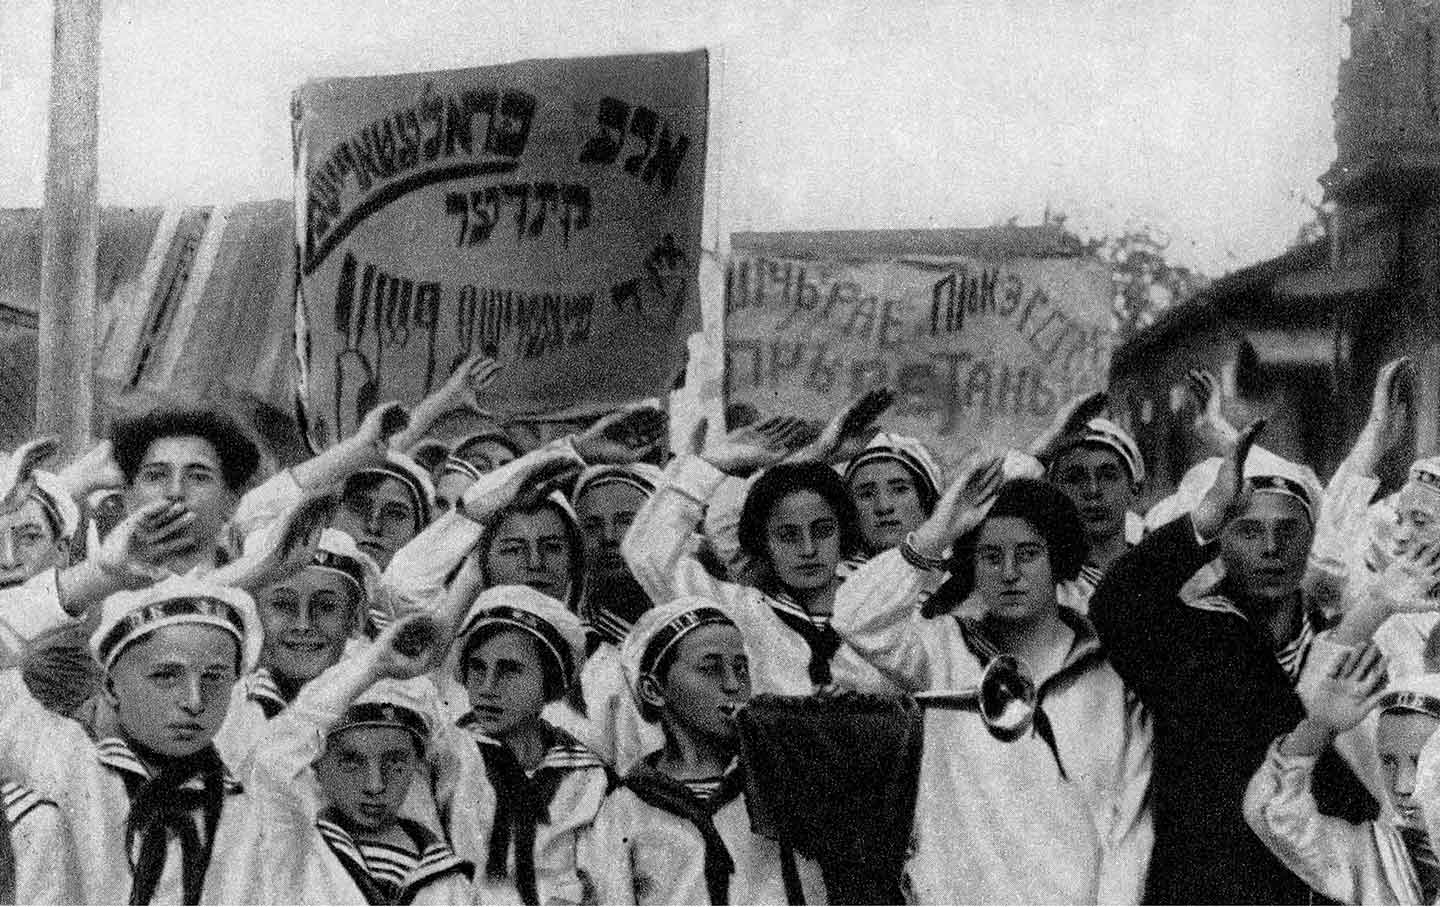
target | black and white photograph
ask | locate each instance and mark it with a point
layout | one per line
(590, 452)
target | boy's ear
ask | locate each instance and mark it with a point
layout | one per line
(651, 692)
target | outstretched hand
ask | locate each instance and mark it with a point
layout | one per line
(20, 469)
(522, 481)
(1228, 494)
(468, 381)
(624, 436)
(1210, 421)
(136, 550)
(283, 549)
(1340, 700)
(757, 446)
(963, 506)
(1069, 420)
(847, 433)
(1410, 582)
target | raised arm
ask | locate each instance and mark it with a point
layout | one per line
(1333, 856)
(322, 473)
(1136, 609)
(416, 577)
(659, 547)
(877, 610)
(460, 391)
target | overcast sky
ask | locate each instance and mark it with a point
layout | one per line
(1210, 120)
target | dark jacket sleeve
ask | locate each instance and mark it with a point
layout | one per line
(1137, 609)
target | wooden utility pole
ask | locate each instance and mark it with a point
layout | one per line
(70, 224)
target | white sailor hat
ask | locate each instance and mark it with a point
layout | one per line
(908, 452)
(641, 476)
(127, 617)
(413, 476)
(21, 480)
(409, 705)
(1107, 434)
(558, 631)
(660, 629)
(1416, 693)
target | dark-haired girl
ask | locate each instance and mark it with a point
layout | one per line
(797, 531)
(1036, 761)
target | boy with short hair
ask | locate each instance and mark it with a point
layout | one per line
(1386, 861)
(323, 821)
(145, 805)
(678, 831)
(520, 650)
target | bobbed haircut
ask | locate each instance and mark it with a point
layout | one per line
(779, 482)
(1052, 515)
(239, 457)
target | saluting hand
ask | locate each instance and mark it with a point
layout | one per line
(624, 436)
(1228, 495)
(758, 446)
(963, 506)
(524, 480)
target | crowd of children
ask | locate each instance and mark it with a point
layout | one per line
(465, 671)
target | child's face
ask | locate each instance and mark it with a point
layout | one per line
(1399, 737)
(308, 618)
(171, 689)
(888, 503)
(366, 772)
(506, 682)
(606, 512)
(28, 545)
(803, 533)
(1012, 571)
(531, 549)
(708, 680)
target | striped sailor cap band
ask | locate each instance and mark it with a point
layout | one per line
(190, 609)
(552, 641)
(1410, 701)
(1426, 473)
(348, 567)
(640, 476)
(383, 714)
(908, 452)
(1107, 434)
(1282, 485)
(455, 466)
(669, 635)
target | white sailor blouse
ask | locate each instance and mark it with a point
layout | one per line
(792, 653)
(285, 848)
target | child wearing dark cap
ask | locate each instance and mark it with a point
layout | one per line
(677, 831)
(323, 821)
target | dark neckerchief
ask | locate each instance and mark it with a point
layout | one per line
(613, 608)
(822, 639)
(1089, 652)
(165, 803)
(522, 802)
(663, 792)
(437, 859)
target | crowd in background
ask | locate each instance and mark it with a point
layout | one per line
(795, 662)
